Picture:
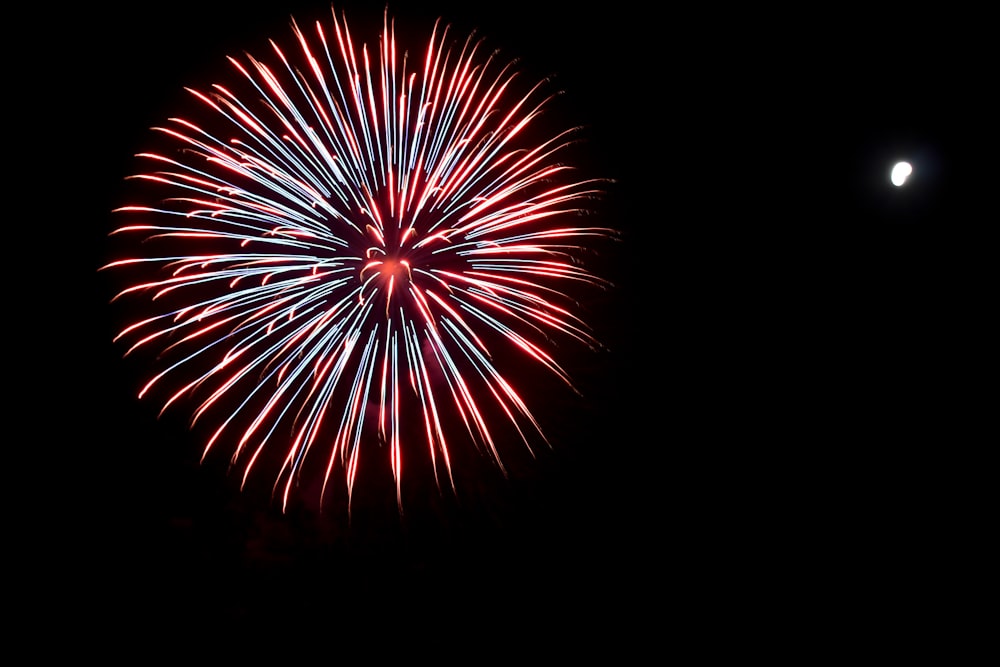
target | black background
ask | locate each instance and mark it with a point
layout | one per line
(776, 449)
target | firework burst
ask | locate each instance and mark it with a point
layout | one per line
(339, 242)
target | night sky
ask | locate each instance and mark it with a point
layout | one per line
(769, 435)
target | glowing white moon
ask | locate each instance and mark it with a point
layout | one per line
(900, 172)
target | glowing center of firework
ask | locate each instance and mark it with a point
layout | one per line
(398, 269)
(391, 271)
(387, 275)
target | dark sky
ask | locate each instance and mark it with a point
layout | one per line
(768, 427)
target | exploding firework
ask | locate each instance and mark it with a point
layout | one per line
(340, 245)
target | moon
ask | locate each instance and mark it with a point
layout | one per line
(900, 172)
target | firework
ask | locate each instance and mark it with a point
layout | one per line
(339, 242)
